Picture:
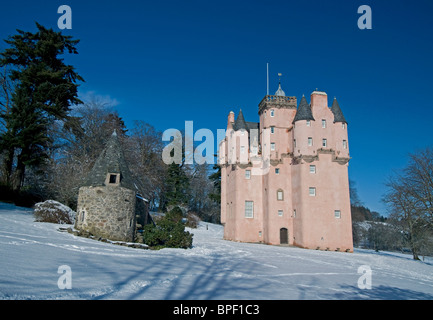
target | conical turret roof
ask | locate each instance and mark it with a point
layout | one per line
(240, 122)
(111, 160)
(304, 111)
(338, 114)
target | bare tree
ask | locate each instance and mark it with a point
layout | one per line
(410, 198)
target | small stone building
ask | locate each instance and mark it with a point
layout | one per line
(109, 202)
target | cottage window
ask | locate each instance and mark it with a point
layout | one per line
(113, 178)
(249, 209)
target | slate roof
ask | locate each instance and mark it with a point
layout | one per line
(338, 114)
(111, 160)
(240, 122)
(304, 111)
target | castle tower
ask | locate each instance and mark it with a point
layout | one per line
(107, 202)
(302, 198)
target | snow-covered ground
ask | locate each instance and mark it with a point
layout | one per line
(32, 252)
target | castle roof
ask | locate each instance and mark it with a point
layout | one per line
(240, 122)
(304, 111)
(280, 91)
(338, 114)
(111, 160)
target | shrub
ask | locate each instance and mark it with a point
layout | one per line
(53, 212)
(169, 232)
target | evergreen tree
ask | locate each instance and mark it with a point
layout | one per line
(45, 89)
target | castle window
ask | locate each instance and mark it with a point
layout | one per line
(294, 143)
(272, 146)
(113, 178)
(324, 143)
(337, 214)
(294, 213)
(272, 112)
(310, 141)
(249, 209)
(312, 168)
(280, 195)
(308, 123)
(242, 149)
(312, 191)
(83, 213)
(277, 170)
(343, 125)
(323, 123)
(280, 213)
(247, 174)
(272, 129)
(344, 144)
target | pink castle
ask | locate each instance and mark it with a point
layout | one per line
(284, 180)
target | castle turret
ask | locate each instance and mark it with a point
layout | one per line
(107, 202)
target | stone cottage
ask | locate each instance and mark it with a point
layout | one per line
(109, 202)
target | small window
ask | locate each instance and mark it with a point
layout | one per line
(344, 144)
(277, 170)
(280, 195)
(337, 214)
(242, 149)
(113, 178)
(83, 213)
(272, 146)
(312, 168)
(324, 143)
(272, 112)
(294, 213)
(323, 123)
(343, 125)
(247, 174)
(272, 129)
(310, 141)
(308, 123)
(312, 191)
(280, 213)
(249, 209)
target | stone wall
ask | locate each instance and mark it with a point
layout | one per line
(107, 211)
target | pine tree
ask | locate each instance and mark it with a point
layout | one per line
(45, 89)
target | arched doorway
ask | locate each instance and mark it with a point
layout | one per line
(284, 236)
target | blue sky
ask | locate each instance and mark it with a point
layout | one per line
(167, 62)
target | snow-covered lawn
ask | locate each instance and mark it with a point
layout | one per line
(32, 252)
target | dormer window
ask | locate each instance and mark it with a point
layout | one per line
(112, 178)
